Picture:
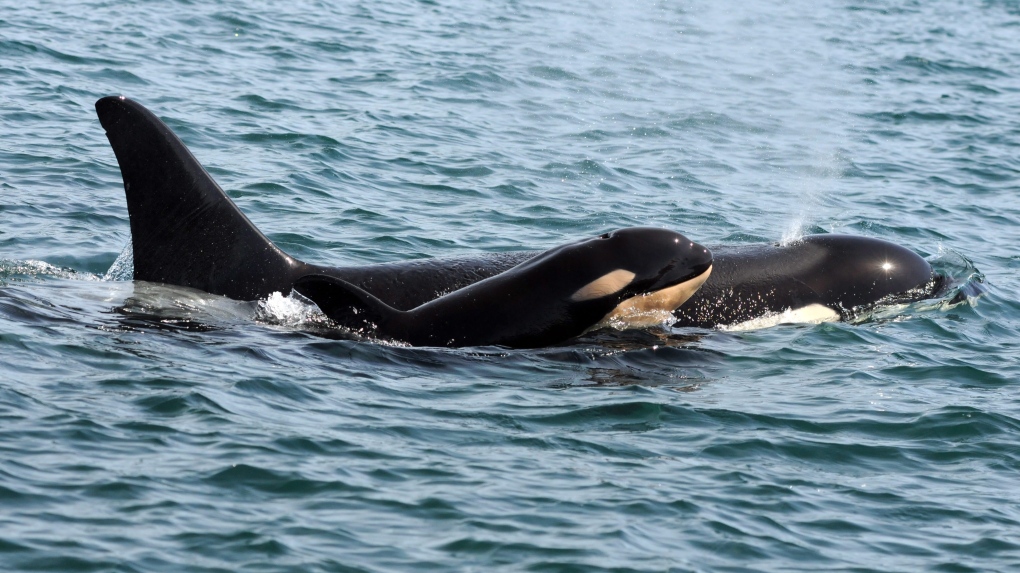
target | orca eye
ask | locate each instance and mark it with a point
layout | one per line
(604, 236)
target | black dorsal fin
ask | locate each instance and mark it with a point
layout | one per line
(184, 229)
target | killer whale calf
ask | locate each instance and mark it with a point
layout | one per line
(186, 231)
(551, 297)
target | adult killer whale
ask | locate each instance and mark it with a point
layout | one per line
(187, 232)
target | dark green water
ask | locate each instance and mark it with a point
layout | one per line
(149, 429)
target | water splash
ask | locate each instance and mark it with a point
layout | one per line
(812, 189)
(29, 269)
(962, 282)
(794, 232)
(287, 311)
(637, 319)
(123, 268)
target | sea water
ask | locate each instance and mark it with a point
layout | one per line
(147, 428)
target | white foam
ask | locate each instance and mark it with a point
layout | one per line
(286, 310)
(35, 268)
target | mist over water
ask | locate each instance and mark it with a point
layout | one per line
(148, 428)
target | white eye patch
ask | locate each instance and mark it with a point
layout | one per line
(605, 285)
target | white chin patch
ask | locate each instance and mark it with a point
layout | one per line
(652, 309)
(810, 314)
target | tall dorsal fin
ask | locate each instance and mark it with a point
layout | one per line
(184, 229)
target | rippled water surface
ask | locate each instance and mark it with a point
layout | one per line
(145, 428)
